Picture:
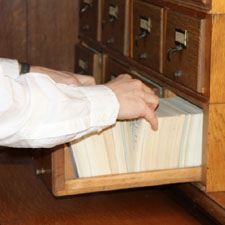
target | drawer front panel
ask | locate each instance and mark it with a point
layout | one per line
(148, 35)
(89, 18)
(113, 24)
(113, 69)
(185, 50)
(84, 60)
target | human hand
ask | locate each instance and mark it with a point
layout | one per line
(135, 98)
(63, 77)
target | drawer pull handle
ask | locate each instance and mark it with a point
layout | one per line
(140, 36)
(86, 27)
(42, 171)
(172, 50)
(178, 73)
(85, 8)
(143, 55)
(110, 41)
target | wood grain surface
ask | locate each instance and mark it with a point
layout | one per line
(13, 25)
(25, 201)
(52, 33)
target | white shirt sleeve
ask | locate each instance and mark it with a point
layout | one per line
(37, 112)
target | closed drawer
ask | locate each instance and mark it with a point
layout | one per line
(90, 15)
(113, 69)
(88, 62)
(115, 25)
(148, 35)
(185, 57)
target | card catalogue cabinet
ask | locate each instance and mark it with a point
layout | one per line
(183, 48)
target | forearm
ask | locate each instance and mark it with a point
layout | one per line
(40, 113)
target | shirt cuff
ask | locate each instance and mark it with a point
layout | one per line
(9, 67)
(104, 105)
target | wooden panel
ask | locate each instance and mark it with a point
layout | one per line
(121, 181)
(218, 6)
(219, 197)
(13, 29)
(52, 33)
(89, 12)
(214, 161)
(58, 169)
(217, 77)
(113, 27)
(148, 50)
(187, 66)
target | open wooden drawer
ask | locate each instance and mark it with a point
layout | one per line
(60, 178)
(56, 168)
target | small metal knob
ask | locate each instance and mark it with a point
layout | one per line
(178, 73)
(110, 41)
(86, 27)
(143, 55)
(40, 171)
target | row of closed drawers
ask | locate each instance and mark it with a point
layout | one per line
(169, 42)
(103, 69)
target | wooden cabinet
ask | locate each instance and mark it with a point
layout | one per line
(197, 28)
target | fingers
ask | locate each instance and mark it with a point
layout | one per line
(151, 117)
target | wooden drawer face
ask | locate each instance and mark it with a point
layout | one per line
(113, 69)
(113, 25)
(148, 35)
(88, 62)
(185, 50)
(84, 60)
(89, 18)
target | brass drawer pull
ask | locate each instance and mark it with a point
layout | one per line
(143, 34)
(172, 50)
